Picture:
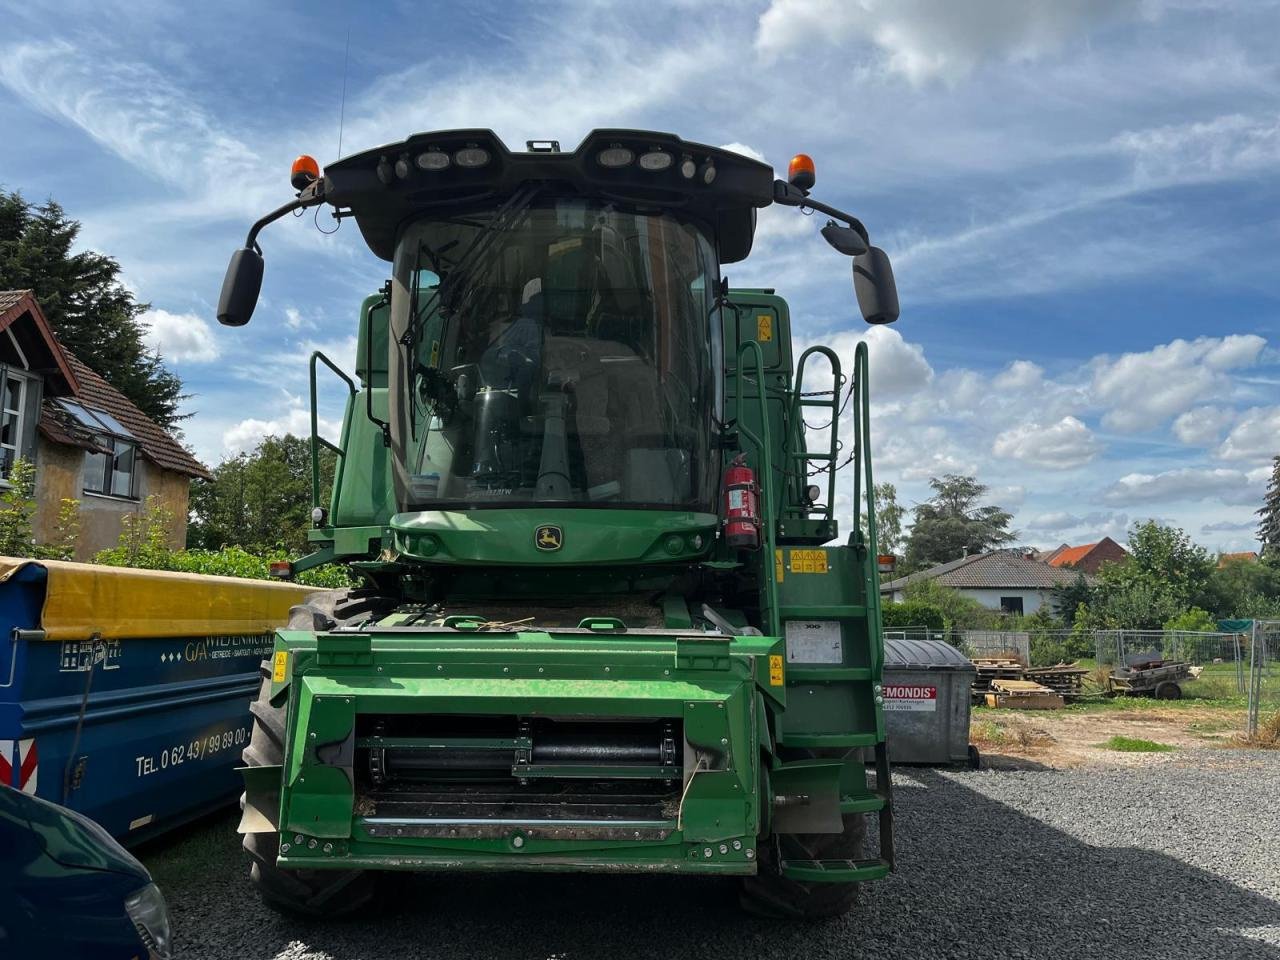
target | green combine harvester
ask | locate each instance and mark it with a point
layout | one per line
(603, 623)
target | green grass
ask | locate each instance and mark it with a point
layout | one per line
(1136, 745)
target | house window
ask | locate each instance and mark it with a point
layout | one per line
(1011, 605)
(14, 397)
(110, 469)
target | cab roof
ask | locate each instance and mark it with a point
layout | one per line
(387, 185)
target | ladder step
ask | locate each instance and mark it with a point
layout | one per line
(835, 871)
(806, 455)
(829, 739)
(831, 611)
(862, 804)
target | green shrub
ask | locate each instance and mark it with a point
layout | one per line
(1136, 745)
(912, 613)
(1195, 620)
(144, 543)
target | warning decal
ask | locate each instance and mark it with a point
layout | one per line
(764, 327)
(909, 697)
(19, 764)
(808, 561)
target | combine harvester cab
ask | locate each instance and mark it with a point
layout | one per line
(604, 625)
(124, 693)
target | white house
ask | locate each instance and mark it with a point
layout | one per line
(1007, 580)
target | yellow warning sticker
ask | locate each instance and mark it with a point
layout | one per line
(776, 678)
(764, 327)
(435, 352)
(808, 561)
(777, 565)
(279, 665)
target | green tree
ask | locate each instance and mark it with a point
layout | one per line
(1269, 514)
(17, 511)
(953, 522)
(1164, 574)
(91, 312)
(889, 515)
(1169, 556)
(260, 500)
(958, 611)
(1067, 598)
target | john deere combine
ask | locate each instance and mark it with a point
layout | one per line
(603, 624)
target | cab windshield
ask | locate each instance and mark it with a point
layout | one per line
(565, 357)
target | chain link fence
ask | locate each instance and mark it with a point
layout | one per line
(1234, 669)
(1262, 719)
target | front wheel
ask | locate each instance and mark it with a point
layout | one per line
(312, 893)
(770, 894)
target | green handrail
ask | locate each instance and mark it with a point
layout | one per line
(862, 430)
(764, 475)
(316, 439)
(798, 403)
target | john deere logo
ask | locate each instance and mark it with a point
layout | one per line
(548, 537)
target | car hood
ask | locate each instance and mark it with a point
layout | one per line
(38, 828)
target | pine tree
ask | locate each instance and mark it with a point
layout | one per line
(91, 312)
(1269, 515)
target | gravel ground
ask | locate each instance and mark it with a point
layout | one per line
(1162, 860)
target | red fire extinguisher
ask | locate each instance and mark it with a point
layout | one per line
(741, 506)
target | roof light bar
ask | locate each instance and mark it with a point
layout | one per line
(615, 156)
(655, 160)
(433, 159)
(471, 157)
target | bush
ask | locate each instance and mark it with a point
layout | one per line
(958, 611)
(912, 613)
(144, 543)
(1195, 620)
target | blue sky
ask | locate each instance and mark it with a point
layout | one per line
(1081, 199)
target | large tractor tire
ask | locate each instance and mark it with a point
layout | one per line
(307, 892)
(770, 894)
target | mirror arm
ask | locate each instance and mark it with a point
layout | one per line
(309, 197)
(790, 196)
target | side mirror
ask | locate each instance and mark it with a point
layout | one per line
(844, 239)
(240, 288)
(873, 283)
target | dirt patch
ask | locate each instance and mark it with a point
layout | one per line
(1071, 738)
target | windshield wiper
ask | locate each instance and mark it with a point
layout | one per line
(451, 286)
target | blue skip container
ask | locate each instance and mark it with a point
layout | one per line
(124, 694)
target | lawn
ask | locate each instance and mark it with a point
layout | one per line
(1135, 745)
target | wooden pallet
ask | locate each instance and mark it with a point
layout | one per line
(1023, 695)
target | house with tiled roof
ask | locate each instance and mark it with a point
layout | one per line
(87, 440)
(1088, 557)
(1244, 556)
(1013, 581)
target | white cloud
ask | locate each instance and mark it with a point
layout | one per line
(136, 112)
(1019, 375)
(1053, 522)
(1203, 426)
(1224, 147)
(1143, 390)
(1188, 483)
(926, 39)
(246, 434)
(1229, 526)
(180, 337)
(897, 367)
(1255, 437)
(1067, 443)
(745, 150)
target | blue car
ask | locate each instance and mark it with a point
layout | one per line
(69, 890)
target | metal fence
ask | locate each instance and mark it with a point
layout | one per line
(1263, 686)
(1120, 646)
